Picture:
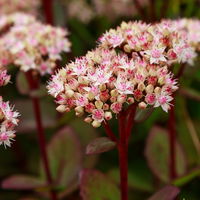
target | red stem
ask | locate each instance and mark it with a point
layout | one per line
(48, 10)
(172, 143)
(139, 8)
(130, 119)
(172, 132)
(164, 8)
(123, 156)
(152, 10)
(34, 84)
(109, 132)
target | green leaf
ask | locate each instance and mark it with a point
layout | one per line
(95, 185)
(21, 83)
(157, 154)
(167, 193)
(22, 182)
(65, 159)
(100, 145)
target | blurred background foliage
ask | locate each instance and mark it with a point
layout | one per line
(69, 136)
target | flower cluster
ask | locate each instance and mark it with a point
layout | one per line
(8, 117)
(112, 9)
(189, 29)
(11, 6)
(101, 83)
(117, 8)
(29, 44)
(157, 44)
(73, 8)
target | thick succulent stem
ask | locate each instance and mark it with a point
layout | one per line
(123, 156)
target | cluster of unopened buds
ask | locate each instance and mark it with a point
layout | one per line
(30, 44)
(189, 29)
(11, 6)
(130, 66)
(8, 117)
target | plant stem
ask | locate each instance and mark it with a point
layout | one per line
(139, 9)
(123, 156)
(152, 10)
(33, 85)
(164, 8)
(172, 143)
(172, 131)
(48, 10)
(109, 132)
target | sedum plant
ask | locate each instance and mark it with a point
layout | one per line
(128, 69)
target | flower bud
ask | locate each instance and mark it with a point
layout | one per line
(161, 80)
(105, 106)
(79, 114)
(127, 48)
(157, 90)
(96, 124)
(121, 98)
(114, 93)
(142, 105)
(69, 93)
(79, 109)
(90, 96)
(102, 87)
(98, 104)
(149, 89)
(141, 86)
(88, 119)
(113, 99)
(61, 108)
(108, 115)
(130, 100)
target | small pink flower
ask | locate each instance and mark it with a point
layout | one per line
(116, 107)
(98, 115)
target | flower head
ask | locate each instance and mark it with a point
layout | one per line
(12, 6)
(103, 82)
(23, 45)
(157, 44)
(8, 117)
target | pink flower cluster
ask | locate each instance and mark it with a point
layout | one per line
(8, 117)
(189, 29)
(103, 82)
(117, 8)
(30, 44)
(157, 44)
(112, 9)
(11, 6)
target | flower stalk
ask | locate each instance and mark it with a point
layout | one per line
(172, 143)
(125, 121)
(33, 85)
(48, 10)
